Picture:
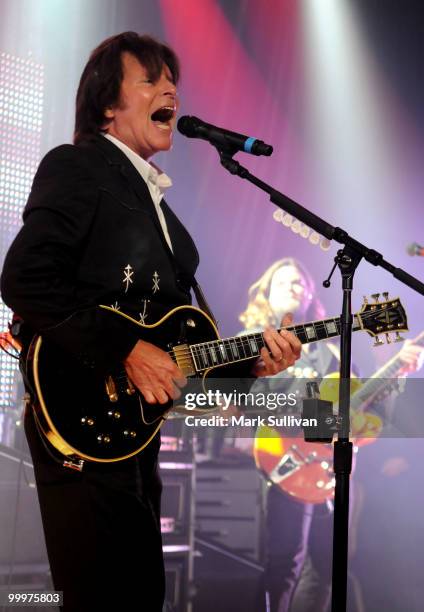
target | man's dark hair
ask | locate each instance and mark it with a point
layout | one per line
(100, 83)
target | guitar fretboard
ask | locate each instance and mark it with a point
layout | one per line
(239, 348)
(379, 380)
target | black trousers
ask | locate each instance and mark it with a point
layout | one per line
(102, 529)
(295, 530)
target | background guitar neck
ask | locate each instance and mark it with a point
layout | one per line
(381, 379)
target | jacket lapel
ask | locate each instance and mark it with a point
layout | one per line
(121, 165)
(185, 251)
(129, 173)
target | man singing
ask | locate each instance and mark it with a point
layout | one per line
(98, 231)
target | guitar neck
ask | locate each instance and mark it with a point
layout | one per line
(248, 346)
(381, 379)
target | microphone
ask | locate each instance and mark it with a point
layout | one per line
(415, 249)
(192, 127)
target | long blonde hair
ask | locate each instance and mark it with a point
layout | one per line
(259, 313)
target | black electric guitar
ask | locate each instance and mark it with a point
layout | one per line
(88, 416)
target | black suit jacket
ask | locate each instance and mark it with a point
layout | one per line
(91, 235)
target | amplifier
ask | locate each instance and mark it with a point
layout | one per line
(176, 442)
(177, 474)
(22, 546)
(178, 572)
(225, 583)
(176, 509)
(229, 508)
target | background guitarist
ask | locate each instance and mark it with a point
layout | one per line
(298, 535)
(98, 231)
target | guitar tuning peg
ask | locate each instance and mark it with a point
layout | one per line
(375, 297)
(386, 296)
(398, 338)
(388, 339)
(378, 342)
(365, 299)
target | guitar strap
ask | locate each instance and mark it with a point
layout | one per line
(201, 300)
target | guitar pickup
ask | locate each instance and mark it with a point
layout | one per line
(111, 389)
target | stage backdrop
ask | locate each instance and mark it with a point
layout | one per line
(336, 87)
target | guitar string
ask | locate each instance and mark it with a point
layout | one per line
(317, 325)
(244, 341)
(204, 361)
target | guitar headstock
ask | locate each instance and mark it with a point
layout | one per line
(384, 317)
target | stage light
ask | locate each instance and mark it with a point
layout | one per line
(345, 108)
(21, 106)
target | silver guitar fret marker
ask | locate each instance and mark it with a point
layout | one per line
(234, 349)
(213, 353)
(128, 274)
(204, 355)
(310, 332)
(223, 351)
(253, 345)
(331, 327)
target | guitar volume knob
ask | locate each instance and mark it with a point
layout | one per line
(87, 421)
(114, 413)
(103, 438)
(128, 433)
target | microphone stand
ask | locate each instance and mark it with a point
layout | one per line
(347, 260)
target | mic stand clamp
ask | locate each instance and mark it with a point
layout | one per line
(321, 411)
(230, 164)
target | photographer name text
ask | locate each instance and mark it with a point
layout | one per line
(245, 421)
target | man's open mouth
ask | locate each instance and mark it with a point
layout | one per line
(162, 117)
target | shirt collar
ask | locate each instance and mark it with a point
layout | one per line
(149, 172)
